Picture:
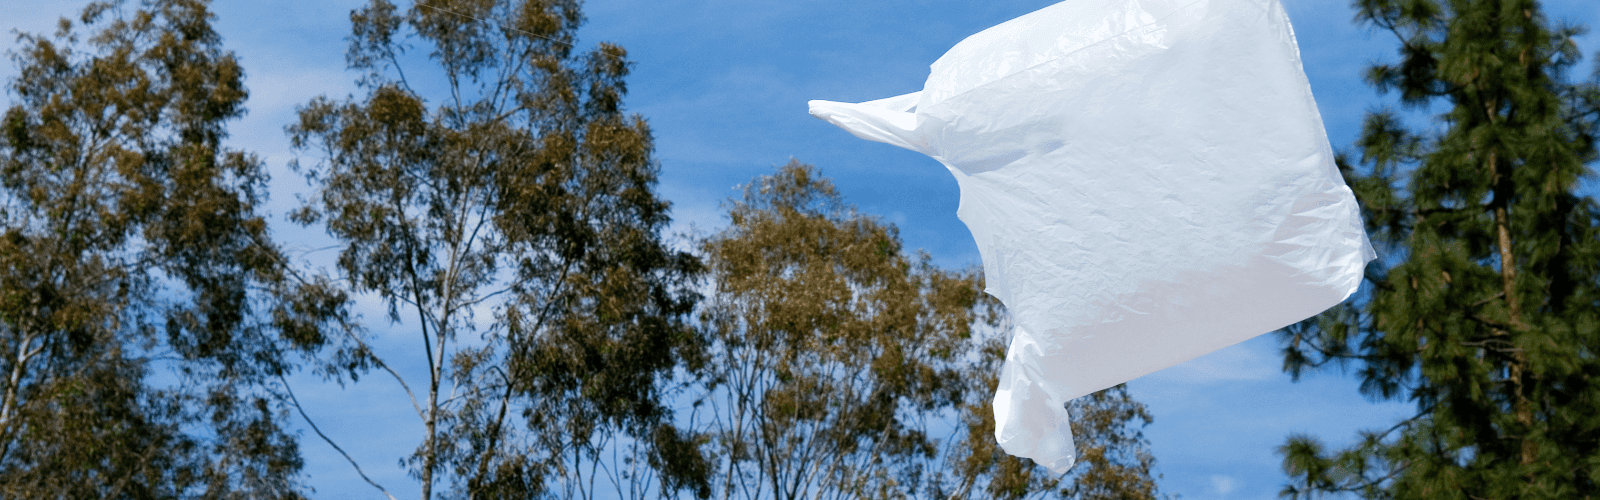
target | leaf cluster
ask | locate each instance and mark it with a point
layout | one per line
(1114, 459)
(828, 346)
(144, 313)
(833, 353)
(513, 218)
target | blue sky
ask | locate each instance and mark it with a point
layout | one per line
(724, 84)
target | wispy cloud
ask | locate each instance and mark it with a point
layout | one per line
(1245, 361)
(1221, 484)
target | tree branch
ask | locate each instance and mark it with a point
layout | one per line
(296, 402)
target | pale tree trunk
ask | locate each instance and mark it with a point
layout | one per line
(1508, 276)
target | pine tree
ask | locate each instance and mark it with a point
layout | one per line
(1484, 307)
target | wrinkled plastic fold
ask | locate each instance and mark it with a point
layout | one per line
(1147, 181)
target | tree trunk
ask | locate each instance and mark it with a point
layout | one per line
(1508, 277)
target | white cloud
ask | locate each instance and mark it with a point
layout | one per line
(1223, 485)
(1251, 360)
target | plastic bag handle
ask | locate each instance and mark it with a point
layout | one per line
(890, 121)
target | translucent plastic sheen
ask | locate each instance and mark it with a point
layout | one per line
(1147, 180)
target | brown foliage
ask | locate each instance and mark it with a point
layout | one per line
(523, 192)
(144, 314)
(1114, 460)
(834, 356)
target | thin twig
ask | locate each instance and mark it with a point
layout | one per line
(326, 439)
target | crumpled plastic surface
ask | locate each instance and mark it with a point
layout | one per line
(1147, 181)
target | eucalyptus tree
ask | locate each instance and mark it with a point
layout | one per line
(841, 367)
(144, 314)
(1484, 309)
(831, 350)
(1114, 460)
(489, 187)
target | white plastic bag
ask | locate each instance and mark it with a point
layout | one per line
(1147, 181)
